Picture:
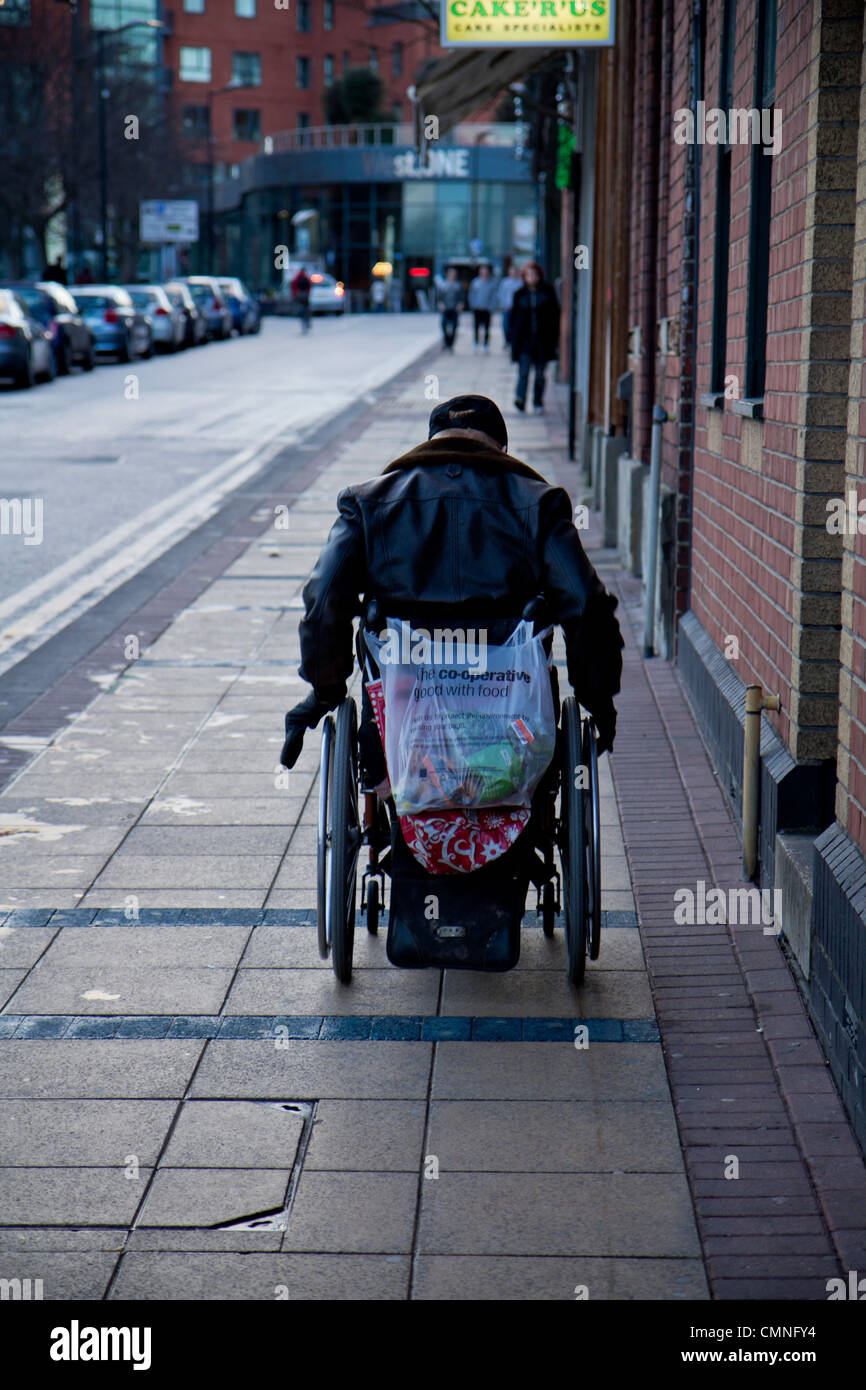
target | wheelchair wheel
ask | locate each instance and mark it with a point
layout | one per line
(322, 845)
(593, 838)
(373, 906)
(573, 842)
(344, 840)
(548, 908)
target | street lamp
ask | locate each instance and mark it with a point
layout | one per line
(211, 173)
(101, 36)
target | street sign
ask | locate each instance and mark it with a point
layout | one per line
(527, 23)
(174, 220)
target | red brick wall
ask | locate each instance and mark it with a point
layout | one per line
(274, 34)
(744, 516)
(851, 791)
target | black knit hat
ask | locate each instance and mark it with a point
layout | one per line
(470, 413)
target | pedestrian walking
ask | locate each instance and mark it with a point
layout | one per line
(378, 295)
(301, 286)
(534, 333)
(482, 302)
(505, 293)
(449, 302)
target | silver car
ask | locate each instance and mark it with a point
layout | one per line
(167, 322)
(327, 295)
(118, 327)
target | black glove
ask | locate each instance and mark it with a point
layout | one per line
(304, 716)
(605, 723)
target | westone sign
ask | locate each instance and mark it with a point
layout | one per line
(527, 23)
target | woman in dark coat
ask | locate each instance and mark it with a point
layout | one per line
(534, 333)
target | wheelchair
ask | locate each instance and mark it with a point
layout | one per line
(564, 823)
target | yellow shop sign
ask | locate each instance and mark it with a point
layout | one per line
(527, 23)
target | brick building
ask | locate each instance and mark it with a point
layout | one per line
(733, 295)
(282, 60)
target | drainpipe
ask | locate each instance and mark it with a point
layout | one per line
(659, 417)
(756, 701)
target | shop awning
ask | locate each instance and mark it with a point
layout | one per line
(452, 88)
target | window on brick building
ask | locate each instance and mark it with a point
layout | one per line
(196, 122)
(759, 216)
(245, 9)
(329, 68)
(194, 64)
(346, 60)
(723, 204)
(305, 23)
(303, 125)
(193, 6)
(397, 60)
(374, 60)
(247, 125)
(247, 69)
(328, 15)
(302, 72)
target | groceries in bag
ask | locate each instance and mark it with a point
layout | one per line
(461, 736)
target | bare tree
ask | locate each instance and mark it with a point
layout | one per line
(50, 84)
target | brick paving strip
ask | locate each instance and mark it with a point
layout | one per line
(746, 1072)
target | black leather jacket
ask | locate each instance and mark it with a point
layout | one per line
(534, 326)
(457, 530)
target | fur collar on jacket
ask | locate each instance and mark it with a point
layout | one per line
(470, 451)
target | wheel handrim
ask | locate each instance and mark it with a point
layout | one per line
(323, 837)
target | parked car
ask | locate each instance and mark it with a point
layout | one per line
(118, 327)
(166, 322)
(211, 301)
(26, 354)
(327, 295)
(246, 314)
(53, 306)
(195, 328)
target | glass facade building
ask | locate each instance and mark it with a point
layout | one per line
(376, 204)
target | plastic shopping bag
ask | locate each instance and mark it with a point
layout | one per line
(464, 733)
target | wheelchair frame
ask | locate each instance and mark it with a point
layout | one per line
(574, 831)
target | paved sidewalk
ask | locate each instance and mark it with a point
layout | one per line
(192, 1107)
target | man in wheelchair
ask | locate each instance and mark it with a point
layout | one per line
(458, 530)
(456, 527)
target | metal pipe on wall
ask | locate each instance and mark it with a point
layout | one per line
(659, 418)
(756, 702)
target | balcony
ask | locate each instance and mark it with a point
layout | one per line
(332, 137)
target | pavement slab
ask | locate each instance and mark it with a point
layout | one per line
(315, 1277)
(527, 1278)
(90, 1196)
(82, 1133)
(63, 1275)
(310, 1070)
(612, 1214)
(98, 1068)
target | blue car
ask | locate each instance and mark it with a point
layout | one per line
(246, 314)
(211, 303)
